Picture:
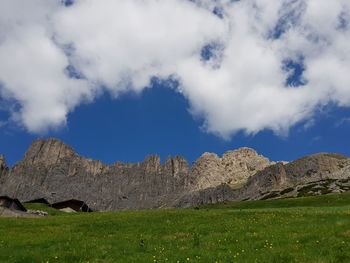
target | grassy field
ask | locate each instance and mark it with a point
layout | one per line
(312, 229)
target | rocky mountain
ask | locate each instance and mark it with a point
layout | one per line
(234, 168)
(312, 175)
(52, 170)
(279, 177)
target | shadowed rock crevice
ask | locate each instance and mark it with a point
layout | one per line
(3, 165)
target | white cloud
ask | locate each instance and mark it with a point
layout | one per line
(119, 45)
(32, 66)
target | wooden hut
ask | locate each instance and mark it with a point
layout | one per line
(76, 205)
(12, 204)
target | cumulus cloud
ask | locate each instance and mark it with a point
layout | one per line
(243, 65)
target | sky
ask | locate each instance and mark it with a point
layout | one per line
(118, 80)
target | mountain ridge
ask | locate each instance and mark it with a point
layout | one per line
(52, 170)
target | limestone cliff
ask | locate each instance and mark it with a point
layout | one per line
(3, 165)
(233, 168)
(311, 168)
(51, 169)
(312, 175)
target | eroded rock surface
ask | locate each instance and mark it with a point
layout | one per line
(52, 170)
(3, 165)
(3, 169)
(233, 168)
(308, 169)
(312, 175)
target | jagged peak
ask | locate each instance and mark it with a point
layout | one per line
(177, 166)
(48, 151)
(234, 167)
(2, 161)
(240, 152)
(152, 163)
(177, 158)
(244, 154)
(244, 151)
(152, 158)
(209, 155)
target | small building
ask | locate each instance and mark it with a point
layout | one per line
(76, 205)
(12, 204)
(38, 201)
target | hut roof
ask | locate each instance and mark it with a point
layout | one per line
(38, 201)
(10, 201)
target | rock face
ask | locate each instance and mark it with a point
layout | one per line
(312, 168)
(52, 170)
(3, 165)
(234, 168)
(311, 175)
(47, 153)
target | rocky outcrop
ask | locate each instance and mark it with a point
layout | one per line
(233, 168)
(52, 170)
(47, 152)
(211, 195)
(3, 166)
(311, 175)
(305, 170)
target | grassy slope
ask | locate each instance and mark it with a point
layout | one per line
(315, 229)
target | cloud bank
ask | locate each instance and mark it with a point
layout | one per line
(243, 65)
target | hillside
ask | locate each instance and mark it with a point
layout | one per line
(311, 229)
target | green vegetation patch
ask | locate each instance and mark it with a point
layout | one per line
(42, 207)
(315, 229)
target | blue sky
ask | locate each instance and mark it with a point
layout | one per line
(157, 122)
(85, 71)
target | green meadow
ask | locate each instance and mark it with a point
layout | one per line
(310, 229)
